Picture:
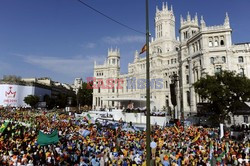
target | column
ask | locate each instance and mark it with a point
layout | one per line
(192, 93)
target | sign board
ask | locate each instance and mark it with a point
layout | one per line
(13, 95)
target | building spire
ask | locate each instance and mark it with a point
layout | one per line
(171, 8)
(196, 18)
(203, 24)
(181, 19)
(166, 5)
(227, 22)
(136, 56)
(188, 17)
(163, 6)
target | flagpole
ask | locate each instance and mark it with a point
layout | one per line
(148, 132)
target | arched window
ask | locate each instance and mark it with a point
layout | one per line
(210, 44)
(212, 60)
(223, 59)
(222, 43)
(218, 69)
(188, 98)
(241, 72)
(216, 43)
(187, 79)
(240, 59)
(159, 50)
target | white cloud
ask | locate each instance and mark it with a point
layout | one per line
(89, 45)
(74, 66)
(124, 39)
(4, 66)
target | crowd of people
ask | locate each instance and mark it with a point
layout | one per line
(107, 144)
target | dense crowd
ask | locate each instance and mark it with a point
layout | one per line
(109, 144)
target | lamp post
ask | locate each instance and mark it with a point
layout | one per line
(148, 131)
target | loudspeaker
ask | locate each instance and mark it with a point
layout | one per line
(173, 94)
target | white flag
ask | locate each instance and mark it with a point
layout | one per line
(221, 131)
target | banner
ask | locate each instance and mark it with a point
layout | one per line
(84, 132)
(47, 139)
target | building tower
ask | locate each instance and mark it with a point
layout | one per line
(165, 39)
(189, 27)
(113, 62)
(165, 23)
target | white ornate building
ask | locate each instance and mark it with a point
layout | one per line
(200, 50)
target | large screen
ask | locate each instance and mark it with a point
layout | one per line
(13, 95)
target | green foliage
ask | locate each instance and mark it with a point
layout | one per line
(224, 92)
(12, 79)
(31, 100)
(85, 94)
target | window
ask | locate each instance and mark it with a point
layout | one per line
(187, 79)
(222, 43)
(159, 50)
(223, 59)
(113, 88)
(240, 59)
(241, 72)
(113, 61)
(99, 87)
(172, 61)
(210, 44)
(175, 60)
(245, 119)
(166, 84)
(188, 98)
(216, 43)
(212, 60)
(218, 69)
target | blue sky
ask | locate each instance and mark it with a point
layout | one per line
(62, 38)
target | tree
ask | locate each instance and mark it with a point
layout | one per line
(31, 100)
(85, 94)
(12, 78)
(224, 93)
(61, 100)
(50, 102)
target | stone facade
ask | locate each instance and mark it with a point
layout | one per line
(200, 50)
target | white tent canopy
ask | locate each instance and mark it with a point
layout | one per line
(136, 101)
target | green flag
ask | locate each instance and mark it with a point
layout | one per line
(219, 158)
(3, 127)
(47, 139)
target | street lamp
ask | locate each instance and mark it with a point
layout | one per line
(174, 79)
